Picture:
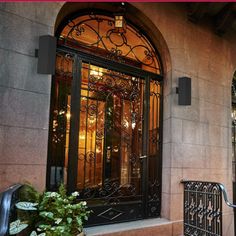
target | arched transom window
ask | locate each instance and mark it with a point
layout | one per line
(99, 34)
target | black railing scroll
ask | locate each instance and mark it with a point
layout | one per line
(202, 208)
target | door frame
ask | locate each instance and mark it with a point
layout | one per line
(79, 57)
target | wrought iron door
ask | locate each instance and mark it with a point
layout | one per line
(112, 138)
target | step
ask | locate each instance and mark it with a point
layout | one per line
(149, 227)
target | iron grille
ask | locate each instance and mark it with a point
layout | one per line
(106, 114)
(97, 34)
(202, 208)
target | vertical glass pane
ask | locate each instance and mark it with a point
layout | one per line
(110, 135)
(60, 119)
(154, 159)
(154, 117)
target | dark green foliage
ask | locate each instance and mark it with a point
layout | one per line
(57, 213)
(28, 193)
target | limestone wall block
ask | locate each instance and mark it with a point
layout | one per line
(166, 107)
(34, 11)
(167, 130)
(20, 71)
(217, 157)
(176, 176)
(176, 207)
(194, 173)
(19, 34)
(23, 146)
(166, 155)
(166, 180)
(176, 130)
(24, 109)
(165, 205)
(33, 174)
(185, 112)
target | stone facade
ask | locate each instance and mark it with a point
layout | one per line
(25, 95)
(196, 138)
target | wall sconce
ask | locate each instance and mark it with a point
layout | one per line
(120, 24)
(46, 54)
(119, 17)
(184, 91)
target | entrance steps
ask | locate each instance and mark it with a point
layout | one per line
(149, 227)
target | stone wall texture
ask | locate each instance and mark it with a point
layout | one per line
(196, 138)
(24, 94)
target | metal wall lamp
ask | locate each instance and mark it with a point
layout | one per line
(119, 17)
(120, 23)
(184, 91)
(46, 54)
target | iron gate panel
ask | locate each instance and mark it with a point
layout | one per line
(110, 141)
(107, 118)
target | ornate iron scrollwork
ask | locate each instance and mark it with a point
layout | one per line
(98, 32)
(202, 208)
(111, 192)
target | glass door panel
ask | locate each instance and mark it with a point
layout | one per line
(60, 120)
(154, 153)
(110, 138)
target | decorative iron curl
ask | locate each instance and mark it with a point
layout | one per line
(116, 44)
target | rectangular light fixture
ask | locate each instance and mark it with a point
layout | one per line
(47, 54)
(184, 91)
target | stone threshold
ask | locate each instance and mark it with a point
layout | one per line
(126, 226)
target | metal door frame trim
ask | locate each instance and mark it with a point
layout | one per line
(101, 61)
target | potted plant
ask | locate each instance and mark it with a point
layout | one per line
(50, 214)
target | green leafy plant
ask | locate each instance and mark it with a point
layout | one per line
(51, 214)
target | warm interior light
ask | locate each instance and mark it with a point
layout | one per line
(96, 73)
(126, 123)
(68, 115)
(133, 125)
(91, 120)
(61, 112)
(82, 136)
(120, 23)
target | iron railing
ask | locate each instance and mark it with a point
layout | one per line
(203, 208)
(7, 203)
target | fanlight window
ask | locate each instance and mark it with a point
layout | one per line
(99, 35)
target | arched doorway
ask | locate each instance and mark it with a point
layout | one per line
(106, 118)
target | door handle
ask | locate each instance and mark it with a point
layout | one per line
(142, 157)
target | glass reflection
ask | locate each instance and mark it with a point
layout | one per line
(110, 135)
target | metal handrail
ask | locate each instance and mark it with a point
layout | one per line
(6, 207)
(223, 189)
